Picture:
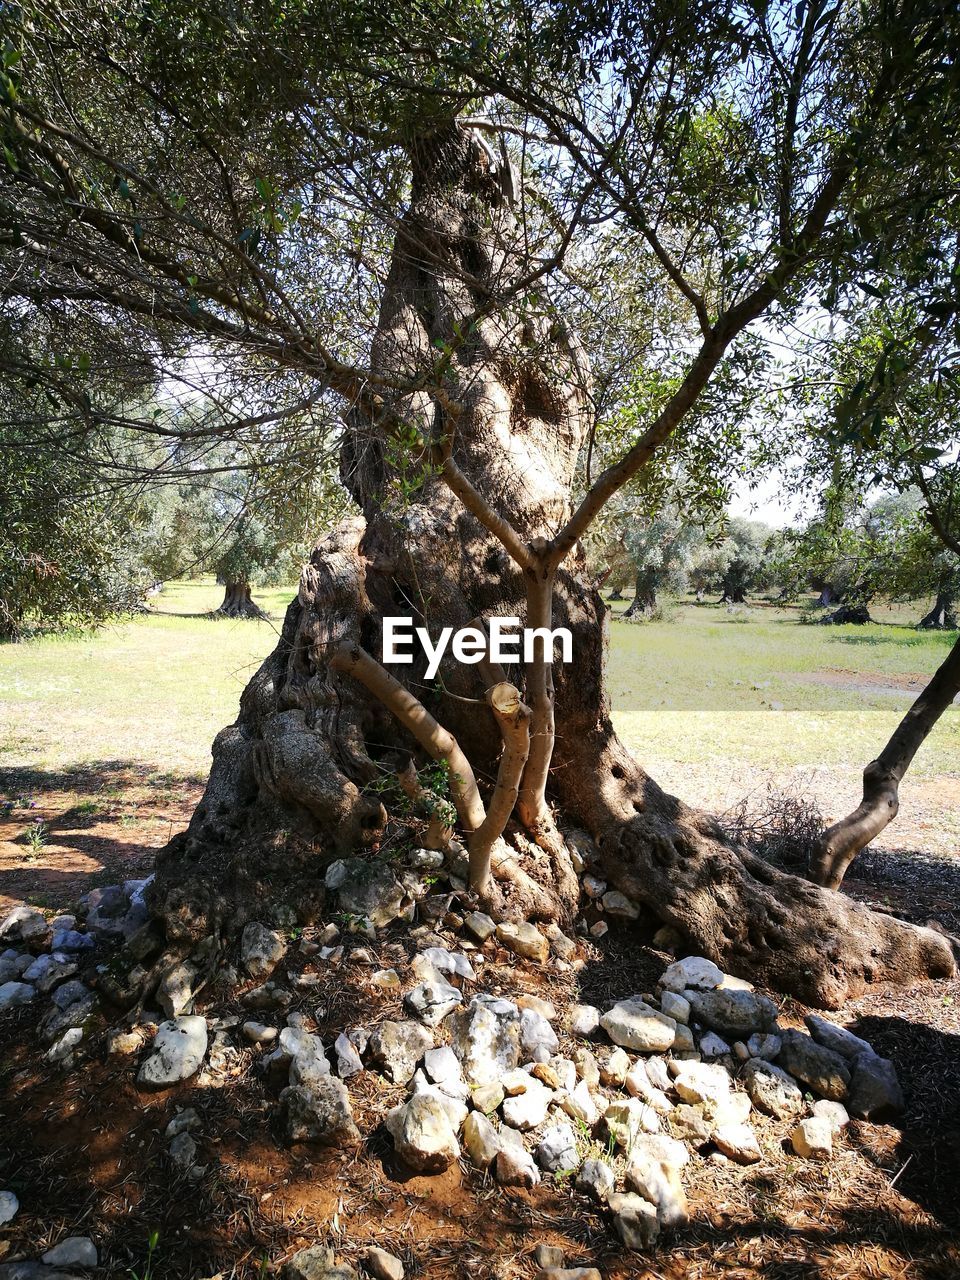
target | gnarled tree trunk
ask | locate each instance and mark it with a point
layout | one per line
(286, 790)
(238, 602)
(644, 596)
(942, 617)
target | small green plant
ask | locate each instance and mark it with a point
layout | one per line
(147, 1273)
(435, 779)
(35, 838)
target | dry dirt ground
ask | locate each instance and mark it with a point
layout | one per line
(86, 1155)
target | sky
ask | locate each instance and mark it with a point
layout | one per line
(767, 501)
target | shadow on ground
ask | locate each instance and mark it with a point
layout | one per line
(92, 824)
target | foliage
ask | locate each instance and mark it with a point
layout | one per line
(737, 562)
(853, 555)
(661, 551)
(205, 200)
(241, 529)
(69, 552)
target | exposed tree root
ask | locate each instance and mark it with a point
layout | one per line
(733, 907)
(238, 602)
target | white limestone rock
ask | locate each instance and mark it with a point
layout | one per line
(597, 1179)
(626, 1118)
(177, 1051)
(480, 1139)
(396, 1048)
(524, 940)
(835, 1113)
(812, 1138)
(583, 1020)
(557, 1150)
(486, 1038)
(702, 1082)
(261, 949)
(738, 1142)
(422, 1134)
(528, 1110)
(634, 1024)
(771, 1089)
(635, 1220)
(693, 972)
(514, 1166)
(431, 1002)
(660, 1184)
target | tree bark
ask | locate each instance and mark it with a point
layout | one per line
(942, 616)
(644, 595)
(882, 777)
(286, 792)
(238, 602)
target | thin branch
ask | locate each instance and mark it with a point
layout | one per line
(413, 715)
(513, 721)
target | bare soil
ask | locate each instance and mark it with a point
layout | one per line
(85, 1153)
(99, 826)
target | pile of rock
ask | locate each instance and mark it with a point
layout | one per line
(664, 1074)
(617, 1099)
(43, 961)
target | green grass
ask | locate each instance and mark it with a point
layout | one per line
(716, 686)
(153, 690)
(707, 686)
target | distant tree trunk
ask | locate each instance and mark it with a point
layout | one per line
(616, 594)
(826, 597)
(734, 585)
(841, 843)
(645, 594)
(238, 602)
(289, 786)
(941, 617)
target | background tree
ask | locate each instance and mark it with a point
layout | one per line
(737, 561)
(889, 414)
(650, 551)
(245, 530)
(69, 555)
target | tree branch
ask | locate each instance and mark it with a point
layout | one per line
(413, 715)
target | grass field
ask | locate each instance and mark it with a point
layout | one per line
(717, 703)
(755, 686)
(153, 690)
